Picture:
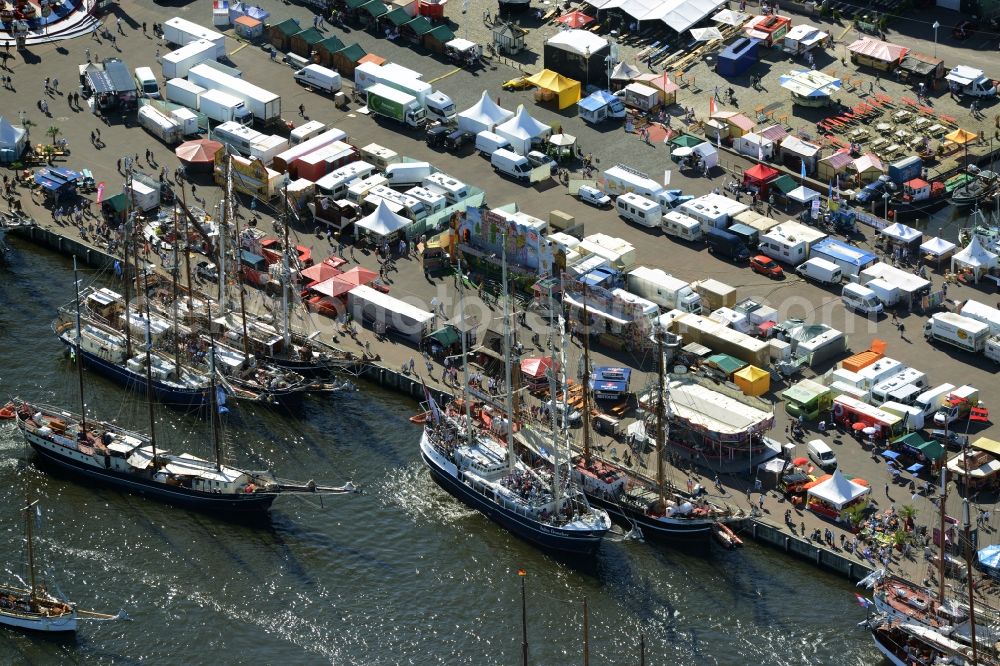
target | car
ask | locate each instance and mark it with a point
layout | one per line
(593, 196)
(964, 30)
(436, 136)
(207, 271)
(520, 83)
(766, 266)
(458, 138)
(538, 158)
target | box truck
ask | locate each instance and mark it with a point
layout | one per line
(436, 104)
(187, 119)
(164, 128)
(665, 290)
(264, 105)
(399, 106)
(954, 329)
(176, 64)
(182, 32)
(183, 92)
(223, 107)
(982, 312)
(715, 294)
(933, 399)
(957, 405)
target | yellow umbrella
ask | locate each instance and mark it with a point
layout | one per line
(961, 136)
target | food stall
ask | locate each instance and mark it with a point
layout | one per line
(832, 497)
(875, 53)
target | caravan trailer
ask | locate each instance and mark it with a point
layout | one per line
(621, 179)
(681, 226)
(789, 242)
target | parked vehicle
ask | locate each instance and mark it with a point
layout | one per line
(264, 105)
(305, 132)
(668, 292)
(181, 32)
(435, 104)
(679, 225)
(396, 105)
(518, 83)
(488, 142)
(820, 271)
(183, 92)
(223, 107)
(932, 399)
(453, 189)
(861, 299)
(145, 81)
(176, 64)
(436, 135)
(982, 312)
(957, 405)
(538, 159)
(164, 128)
(954, 329)
(404, 174)
(821, 454)
(970, 81)
(593, 196)
(765, 265)
(722, 243)
(639, 210)
(458, 139)
(319, 78)
(511, 164)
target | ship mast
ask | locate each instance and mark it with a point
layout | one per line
(223, 232)
(556, 433)
(173, 280)
(967, 524)
(29, 532)
(149, 386)
(659, 415)
(465, 354)
(285, 274)
(187, 260)
(941, 509)
(214, 399)
(125, 279)
(228, 195)
(509, 401)
(586, 380)
(79, 350)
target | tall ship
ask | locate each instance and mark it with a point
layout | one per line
(656, 508)
(478, 464)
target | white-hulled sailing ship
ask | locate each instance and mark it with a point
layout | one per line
(473, 464)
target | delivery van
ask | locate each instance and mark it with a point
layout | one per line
(860, 299)
(931, 400)
(820, 271)
(319, 78)
(821, 454)
(511, 164)
(487, 143)
(407, 174)
(146, 82)
(639, 210)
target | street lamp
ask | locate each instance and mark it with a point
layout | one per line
(935, 26)
(885, 197)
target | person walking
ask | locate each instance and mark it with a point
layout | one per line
(121, 31)
(302, 110)
(144, 27)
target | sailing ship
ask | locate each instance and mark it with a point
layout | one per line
(905, 643)
(474, 465)
(32, 605)
(133, 462)
(976, 186)
(656, 509)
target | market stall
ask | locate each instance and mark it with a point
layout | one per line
(12, 141)
(600, 106)
(736, 123)
(832, 167)
(974, 261)
(754, 145)
(811, 87)
(662, 83)
(936, 250)
(577, 54)
(382, 223)
(622, 75)
(523, 131)
(867, 168)
(484, 115)
(758, 179)
(795, 151)
(875, 53)
(552, 85)
(534, 372)
(803, 195)
(833, 496)
(753, 380)
(902, 236)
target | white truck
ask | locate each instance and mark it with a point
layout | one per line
(319, 78)
(970, 81)
(249, 142)
(164, 128)
(665, 290)
(982, 312)
(956, 405)
(933, 399)
(223, 107)
(264, 105)
(437, 104)
(177, 63)
(954, 329)
(395, 104)
(183, 92)
(182, 32)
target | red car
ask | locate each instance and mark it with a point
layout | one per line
(766, 266)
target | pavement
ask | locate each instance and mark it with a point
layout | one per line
(791, 296)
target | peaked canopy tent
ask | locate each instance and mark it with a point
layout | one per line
(12, 141)
(706, 34)
(974, 259)
(484, 115)
(937, 249)
(758, 178)
(900, 234)
(961, 137)
(803, 194)
(567, 91)
(523, 131)
(533, 371)
(730, 17)
(810, 87)
(198, 151)
(382, 223)
(836, 494)
(575, 19)
(624, 72)
(753, 380)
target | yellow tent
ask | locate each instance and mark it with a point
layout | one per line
(752, 380)
(961, 136)
(567, 90)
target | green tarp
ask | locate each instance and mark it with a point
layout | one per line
(784, 183)
(420, 25)
(685, 141)
(932, 450)
(374, 8)
(310, 35)
(398, 17)
(446, 337)
(288, 27)
(353, 53)
(356, 4)
(330, 45)
(726, 363)
(442, 33)
(117, 203)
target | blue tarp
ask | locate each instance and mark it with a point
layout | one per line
(891, 455)
(989, 558)
(598, 277)
(596, 100)
(840, 251)
(57, 179)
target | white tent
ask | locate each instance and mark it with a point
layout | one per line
(624, 72)
(803, 194)
(581, 42)
(975, 258)
(938, 247)
(705, 34)
(838, 491)
(901, 233)
(483, 115)
(12, 139)
(730, 17)
(521, 130)
(679, 15)
(381, 222)
(707, 152)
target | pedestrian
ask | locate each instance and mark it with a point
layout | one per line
(45, 84)
(86, 52)
(157, 55)
(120, 30)
(715, 94)
(114, 41)
(45, 107)
(144, 27)
(760, 502)
(302, 110)
(55, 84)
(274, 54)
(887, 490)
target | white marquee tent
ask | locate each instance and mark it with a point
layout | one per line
(974, 257)
(679, 15)
(521, 130)
(381, 222)
(12, 139)
(803, 194)
(624, 72)
(838, 491)
(937, 247)
(900, 233)
(483, 115)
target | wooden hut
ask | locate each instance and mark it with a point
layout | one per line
(347, 58)
(415, 30)
(832, 167)
(323, 51)
(875, 53)
(371, 11)
(302, 42)
(280, 34)
(867, 168)
(393, 22)
(435, 40)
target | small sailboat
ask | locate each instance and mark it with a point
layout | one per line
(31, 605)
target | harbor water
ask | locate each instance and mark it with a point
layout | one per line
(399, 575)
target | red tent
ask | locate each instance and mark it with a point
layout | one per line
(536, 367)
(575, 19)
(333, 287)
(357, 276)
(324, 270)
(199, 151)
(759, 177)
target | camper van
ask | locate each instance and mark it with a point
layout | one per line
(861, 299)
(681, 226)
(407, 174)
(621, 179)
(145, 80)
(713, 210)
(821, 454)
(789, 242)
(910, 376)
(488, 143)
(639, 210)
(357, 190)
(931, 400)
(453, 189)
(433, 201)
(402, 204)
(337, 181)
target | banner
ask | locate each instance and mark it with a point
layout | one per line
(100, 191)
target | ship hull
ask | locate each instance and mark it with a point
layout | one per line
(886, 651)
(50, 625)
(238, 505)
(668, 530)
(576, 543)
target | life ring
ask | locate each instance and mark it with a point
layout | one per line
(7, 411)
(838, 410)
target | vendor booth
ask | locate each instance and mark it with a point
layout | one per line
(484, 115)
(523, 131)
(642, 97)
(936, 250)
(795, 151)
(381, 223)
(752, 380)
(577, 54)
(920, 68)
(599, 107)
(736, 123)
(832, 167)
(738, 57)
(758, 179)
(57, 182)
(552, 85)
(755, 146)
(877, 54)
(622, 75)
(12, 141)
(769, 29)
(811, 87)
(561, 146)
(974, 261)
(248, 28)
(867, 168)
(802, 38)
(803, 195)
(610, 383)
(808, 399)
(833, 496)
(662, 83)
(978, 469)
(902, 236)
(534, 372)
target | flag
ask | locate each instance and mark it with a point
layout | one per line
(829, 191)
(100, 191)
(435, 412)
(718, 139)
(220, 400)
(522, 572)
(118, 268)
(666, 177)
(760, 152)
(865, 603)
(711, 106)
(802, 167)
